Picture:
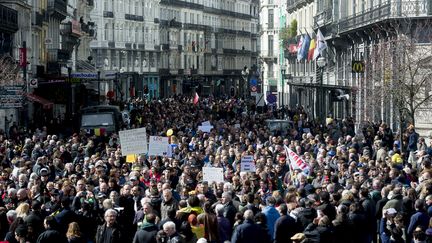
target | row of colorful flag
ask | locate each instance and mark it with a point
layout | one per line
(309, 48)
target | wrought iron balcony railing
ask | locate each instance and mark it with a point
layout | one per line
(390, 9)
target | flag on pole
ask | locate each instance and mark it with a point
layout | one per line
(196, 98)
(305, 47)
(321, 45)
(299, 47)
(296, 162)
(311, 50)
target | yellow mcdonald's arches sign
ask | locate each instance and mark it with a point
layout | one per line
(358, 67)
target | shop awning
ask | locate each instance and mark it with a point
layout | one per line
(45, 103)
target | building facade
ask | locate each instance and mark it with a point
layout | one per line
(370, 33)
(127, 44)
(206, 45)
(310, 87)
(273, 19)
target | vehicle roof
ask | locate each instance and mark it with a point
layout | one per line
(100, 108)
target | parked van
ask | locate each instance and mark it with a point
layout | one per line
(103, 118)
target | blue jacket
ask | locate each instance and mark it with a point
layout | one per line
(272, 216)
(412, 141)
(418, 219)
(249, 232)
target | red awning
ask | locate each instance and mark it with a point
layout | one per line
(45, 103)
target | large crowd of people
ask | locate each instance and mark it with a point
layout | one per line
(373, 185)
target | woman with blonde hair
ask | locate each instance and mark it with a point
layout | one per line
(74, 234)
(23, 210)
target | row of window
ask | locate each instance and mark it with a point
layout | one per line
(208, 20)
(130, 32)
(140, 8)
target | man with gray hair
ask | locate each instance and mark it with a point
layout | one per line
(249, 231)
(224, 226)
(109, 231)
(170, 230)
(229, 208)
(168, 203)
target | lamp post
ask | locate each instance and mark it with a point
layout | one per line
(245, 76)
(98, 80)
(283, 71)
(321, 63)
(118, 77)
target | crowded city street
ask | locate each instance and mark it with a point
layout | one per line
(185, 170)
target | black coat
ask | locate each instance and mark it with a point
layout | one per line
(315, 233)
(306, 216)
(146, 235)
(50, 236)
(249, 232)
(360, 223)
(343, 231)
(116, 236)
(285, 228)
(35, 219)
(230, 212)
(329, 210)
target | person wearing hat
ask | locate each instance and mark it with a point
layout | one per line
(53, 205)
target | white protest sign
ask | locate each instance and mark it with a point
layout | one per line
(247, 164)
(211, 174)
(133, 141)
(205, 128)
(206, 123)
(158, 146)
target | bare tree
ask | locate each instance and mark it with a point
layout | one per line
(401, 67)
(9, 71)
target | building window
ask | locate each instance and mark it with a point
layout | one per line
(270, 70)
(270, 45)
(270, 19)
(106, 32)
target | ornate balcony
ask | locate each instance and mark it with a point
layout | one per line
(293, 5)
(324, 17)
(8, 19)
(386, 10)
(57, 8)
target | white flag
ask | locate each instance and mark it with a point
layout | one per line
(320, 46)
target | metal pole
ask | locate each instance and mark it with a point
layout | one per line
(322, 100)
(98, 77)
(26, 109)
(69, 105)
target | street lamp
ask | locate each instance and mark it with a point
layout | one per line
(321, 63)
(245, 76)
(283, 70)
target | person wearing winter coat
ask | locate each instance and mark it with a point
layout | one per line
(342, 226)
(109, 231)
(148, 231)
(285, 226)
(319, 230)
(249, 232)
